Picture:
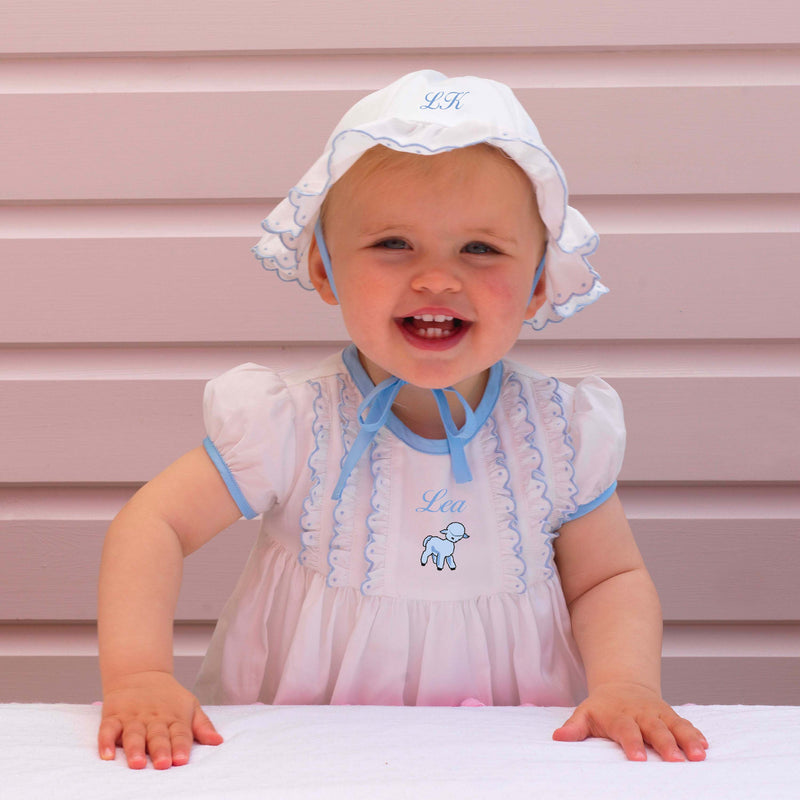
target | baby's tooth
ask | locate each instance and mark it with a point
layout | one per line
(442, 318)
(427, 317)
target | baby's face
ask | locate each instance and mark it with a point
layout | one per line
(433, 258)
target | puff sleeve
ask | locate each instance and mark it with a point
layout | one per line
(597, 431)
(249, 418)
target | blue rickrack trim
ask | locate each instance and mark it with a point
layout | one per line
(312, 500)
(340, 545)
(368, 584)
(501, 463)
(230, 481)
(537, 475)
(378, 519)
(557, 399)
(419, 149)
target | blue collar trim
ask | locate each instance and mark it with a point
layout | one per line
(433, 446)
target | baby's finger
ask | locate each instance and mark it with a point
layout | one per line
(133, 743)
(159, 745)
(203, 728)
(107, 737)
(625, 732)
(181, 741)
(660, 738)
(689, 739)
(575, 729)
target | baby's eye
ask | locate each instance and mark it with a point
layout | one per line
(478, 248)
(393, 243)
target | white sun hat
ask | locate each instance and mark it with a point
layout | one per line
(426, 112)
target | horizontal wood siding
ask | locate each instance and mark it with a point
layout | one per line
(141, 143)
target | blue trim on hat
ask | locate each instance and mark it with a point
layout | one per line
(559, 310)
(230, 481)
(418, 149)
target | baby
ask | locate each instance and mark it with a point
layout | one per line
(438, 222)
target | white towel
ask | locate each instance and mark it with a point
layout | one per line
(354, 752)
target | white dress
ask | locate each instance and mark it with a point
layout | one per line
(411, 588)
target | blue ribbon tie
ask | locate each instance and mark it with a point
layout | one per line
(379, 402)
(373, 412)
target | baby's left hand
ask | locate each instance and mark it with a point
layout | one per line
(633, 715)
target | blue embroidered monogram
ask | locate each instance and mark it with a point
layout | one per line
(442, 101)
(438, 501)
(468, 111)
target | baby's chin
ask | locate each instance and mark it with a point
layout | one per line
(433, 375)
(471, 386)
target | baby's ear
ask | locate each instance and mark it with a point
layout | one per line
(538, 297)
(319, 278)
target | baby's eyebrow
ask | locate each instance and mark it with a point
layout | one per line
(383, 230)
(397, 229)
(493, 233)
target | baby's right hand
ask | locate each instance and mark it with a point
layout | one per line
(150, 712)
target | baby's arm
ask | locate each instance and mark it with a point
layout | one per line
(144, 707)
(616, 621)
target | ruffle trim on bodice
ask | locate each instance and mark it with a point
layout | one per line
(378, 518)
(550, 407)
(310, 519)
(341, 546)
(548, 484)
(513, 565)
(534, 480)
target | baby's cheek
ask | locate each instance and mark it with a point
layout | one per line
(510, 297)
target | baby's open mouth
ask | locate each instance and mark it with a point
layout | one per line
(433, 326)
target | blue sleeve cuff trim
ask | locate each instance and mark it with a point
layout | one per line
(587, 507)
(230, 481)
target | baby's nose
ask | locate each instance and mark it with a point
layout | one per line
(436, 278)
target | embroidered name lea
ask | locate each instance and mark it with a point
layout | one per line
(437, 501)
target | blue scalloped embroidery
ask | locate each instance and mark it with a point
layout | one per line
(378, 505)
(336, 572)
(501, 463)
(537, 475)
(558, 400)
(313, 499)
(419, 149)
(296, 191)
(591, 295)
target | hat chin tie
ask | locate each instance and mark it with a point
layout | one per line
(373, 412)
(325, 256)
(537, 275)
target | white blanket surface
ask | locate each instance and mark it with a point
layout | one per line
(353, 752)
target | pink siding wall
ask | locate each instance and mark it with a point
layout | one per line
(142, 142)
